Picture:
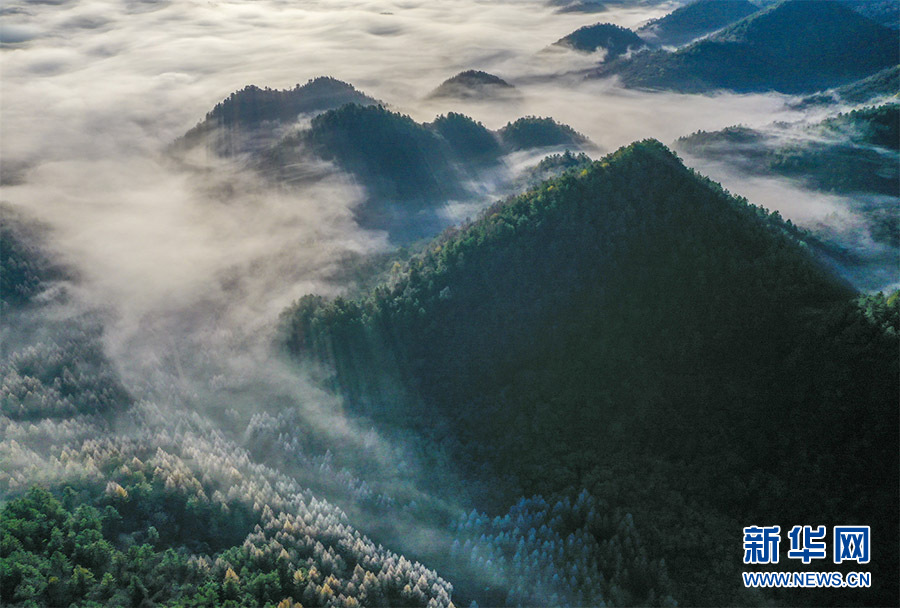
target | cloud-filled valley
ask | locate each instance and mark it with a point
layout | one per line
(392, 355)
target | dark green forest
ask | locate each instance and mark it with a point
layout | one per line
(475, 84)
(577, 396)
(885, 83)
(411, 169)
(695, 19)
(251, 107)
(851, 152)
(792, 47)
(615, 40)
(632, 329)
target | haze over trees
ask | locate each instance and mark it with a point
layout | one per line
(852, 152)
(693, 20)
(613, 39)
(475, 84)
(792, 47)
(543, 318)
(576, 396)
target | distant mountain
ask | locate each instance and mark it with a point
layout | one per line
(535, 132)
(252, 107)
(694, 20)
(472, 144)
(853, 152)
(631, 328)
(881, 85)
(410, 169)
(474, 84)
(578, 6)
(615, 40)
(794, 47)
(885, 12)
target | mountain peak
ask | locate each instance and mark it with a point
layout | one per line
(473, 84)
(616, 40)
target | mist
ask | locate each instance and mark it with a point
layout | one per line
(187, 268)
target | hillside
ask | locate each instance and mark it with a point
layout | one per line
(794, 47)
(101, 507)
(634, 330)
(615, 40)
(849, 153)
(253, 107)
(474, 84)
(578, 6)
(536, 132)
(885, 12)
(881, 85)
(694, 20)
(411, 169)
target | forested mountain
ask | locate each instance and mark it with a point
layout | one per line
(252, 107)
(536, 132)
(438, 349)
(553, 166)
(578, 6)
(411, 169)
(796, 46)
(885, 12)
(694, 20)
(614, 39)
(852, 152)
(103, 507)
(632, 329)
(881, 85)
(475, 84)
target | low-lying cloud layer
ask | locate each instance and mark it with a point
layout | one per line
(192, 266)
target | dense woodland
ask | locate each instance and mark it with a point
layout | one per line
(578, 398)
(878, 86)
(851, 152)
(475, 84)
(410, 169)
(613, 39)
(250, 113)
(695, 19)
(792, 47)
(604, 320)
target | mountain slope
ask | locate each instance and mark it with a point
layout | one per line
(694, 20)
(883, 84)
(536, 132)
(795, 47)
(632, 322)
(475, 84)
(252, 108)
(615, 40)
(411, 169)
(852, 152)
